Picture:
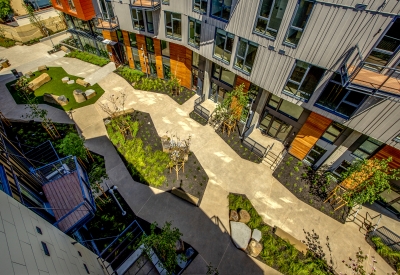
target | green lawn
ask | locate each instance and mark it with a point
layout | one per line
(57, 87)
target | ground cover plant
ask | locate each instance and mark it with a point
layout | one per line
(276, 252)
(6, 43)
(57, 87)
(142, 152)
(391, 256)
(170, 87)
(308, 185)
(88, 57)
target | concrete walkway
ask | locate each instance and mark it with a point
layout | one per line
(206, 227)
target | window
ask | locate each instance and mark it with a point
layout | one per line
(165, 48)
(149, 21)
(200, 6)
(274, 127)
(340, 100)
(149, 44)
(223, 45)
(38, 230)
(386, 48)
(270, 17)
(152, 64)
(195, 59)
(333, 132)
(165, 2)
(299, 21)
(120, 36)
(315, 154)
(173, 25)
(397, 139)
(79, 253)
(132, 40)
(245, 55)
(303, 80)
(4, 186)
(285, 107)
(222, 74)
(194, 32)
(136, 59)
(58, 2)
(221, 9)
(86, 268)
(367, 148)
(341, 169)
(217, 93)
(106, 9)
(71, 5)
(137, 19)
(166, 68)
(45, 249)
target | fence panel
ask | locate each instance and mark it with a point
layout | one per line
(255, 147)
(388, 237)
(201, 111)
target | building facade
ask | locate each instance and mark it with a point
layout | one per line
(323, 76)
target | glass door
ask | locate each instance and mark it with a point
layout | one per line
(275, 127)
(392, 198)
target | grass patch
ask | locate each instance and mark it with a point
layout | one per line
(276, 252)
(6, 43)
(57, 87)
(88, 57)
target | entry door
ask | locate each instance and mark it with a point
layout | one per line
(275, 127)
(392, 198)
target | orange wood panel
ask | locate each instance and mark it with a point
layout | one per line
(158, 54)
(179, 66)
(308, 135)
(84, 8)
(141, 43)
(127, 44)
(389, 151)
(110, 35)
(241, 80)
(188, 69)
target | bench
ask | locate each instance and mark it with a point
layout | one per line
(290, 239)
(185, 196)
(82, 82)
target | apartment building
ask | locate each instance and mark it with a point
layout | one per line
(323, 77)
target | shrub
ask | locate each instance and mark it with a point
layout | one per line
(6, 43)
(130, 74)
(386, 252)
(88, 57)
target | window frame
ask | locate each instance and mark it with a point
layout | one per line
(397, 138)
(199, 6)
(4, 181)
(149, 40)
(248, 43)
(336, 174)
(71, 5)
(266, 19)
(327, 131)
(194, 26)
(161, 47)
(313, 150)
(220, 74)
(134, 10)
(146, 12)
(172, 25)
(86, 268)
(227, 36)
(39, 230)
(285, 42)
(135, 62)
(58, 2)
(165, 2)
(222, 9)
(371, 140)
(45, 249)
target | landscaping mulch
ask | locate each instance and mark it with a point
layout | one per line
(309, 186)
(234, 141)
(202, 121)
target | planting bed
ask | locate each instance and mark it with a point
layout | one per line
(390, 256)
(309, 186)
(197, 118)
(147, 163)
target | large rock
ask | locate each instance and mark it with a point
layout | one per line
(65, 79)
(240, 234)
(254, 248)
(37, 82)
(90, 93)
(82, 82)
(65, 49)
(233, 216)
(71, 82)
(79, 96)
(29, 74)
(54, 99)
(42, 68)
(244, 216)
(256, 235)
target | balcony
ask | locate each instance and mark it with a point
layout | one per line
(104, 23)
(66, 187)
(146, 4)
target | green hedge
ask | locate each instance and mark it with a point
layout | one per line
(130, 74)
(88, 57)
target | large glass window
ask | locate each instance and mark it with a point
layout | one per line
(165, 48)
(303, 80)
(221, 9)
(149, 21)
(340, 100)
(223, 45)
(200, 6)
(333, 132)
(132, 40)
(149, 44)
(341, 169)
(285, 107)
(195, 59)
(299, 21)
(217, 93)
(367, 148)
(315, 154)
(270, 17)
(166, 67)
(152, 64)
(245, 55)
(136, 59)
(222, 74)
(274, 127)
(71, 5)
(106, 9)
(137, 19)
(386, 48)
(194, 32)
(173, 25)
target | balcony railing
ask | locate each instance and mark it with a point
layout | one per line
(147, 4)
(106, 23)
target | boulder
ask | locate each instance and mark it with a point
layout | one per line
(82, 82)
(90, 93)
(29, 74)
(254, 248)
(38, 82)
(79, 96)
(233, 216)
(65, 49)
(256, 235)
(244, 216)
(54, 99)
(71, 82)
(42, 68)
(65, 79)
(240, 234)
(62, 100)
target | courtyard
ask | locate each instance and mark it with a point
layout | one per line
(205, 227)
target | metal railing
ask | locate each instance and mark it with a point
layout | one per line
(255, 147)
(199, 100)
(388, 237)
(147, 4)
(201, 111)
(108, 23)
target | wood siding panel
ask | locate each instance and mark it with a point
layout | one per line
(389, 151)
(127, 44)
(84, 9)
(158, 54)
(141, 44)
(240, 80)
(110, 35)
(308, 135)
(181, 63)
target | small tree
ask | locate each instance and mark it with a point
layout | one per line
(36, 20)
(73, 144)
(232, 105)
(5, 9)
(366, 179)
(164, 244)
